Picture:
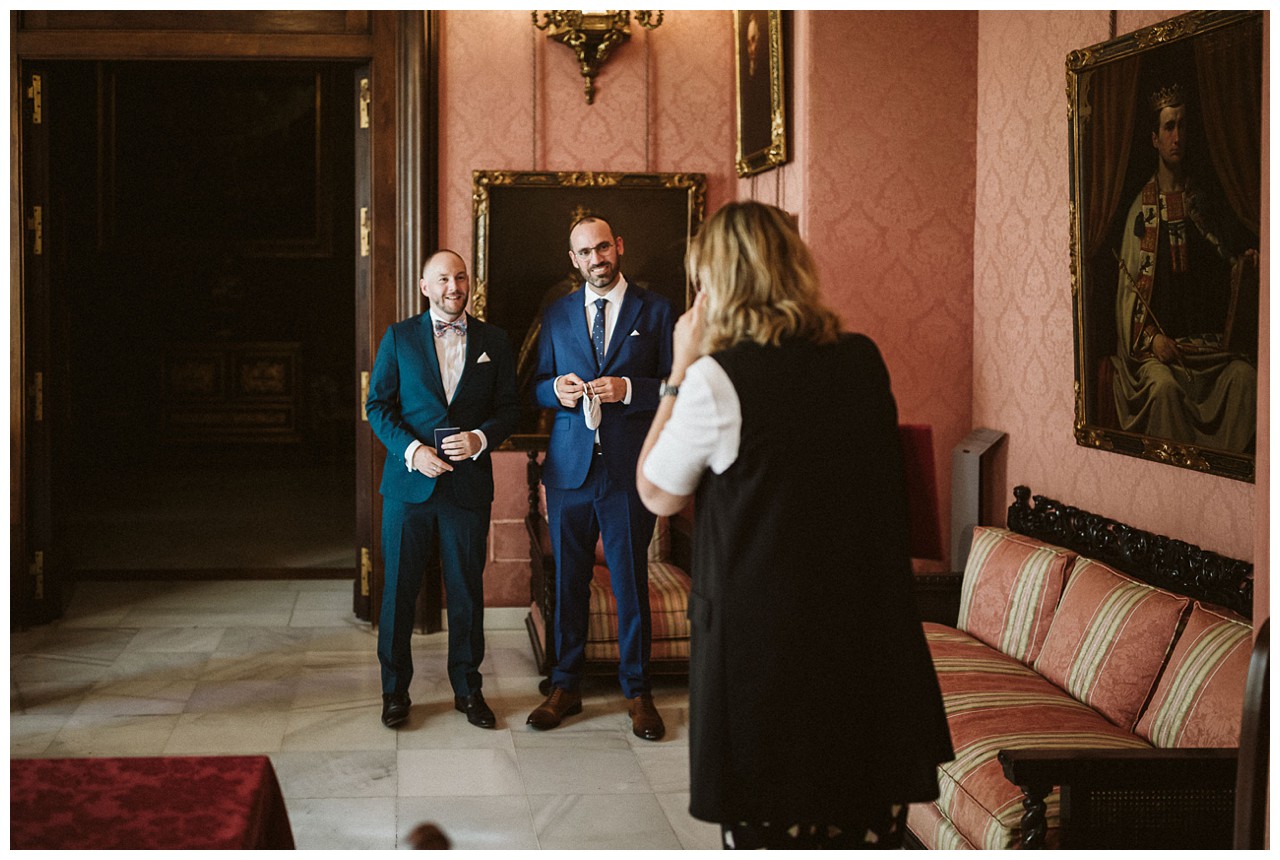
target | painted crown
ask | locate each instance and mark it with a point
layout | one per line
(1166, 97)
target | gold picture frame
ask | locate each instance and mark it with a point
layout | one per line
(761, 91)
(1164, 128)
(521, 236)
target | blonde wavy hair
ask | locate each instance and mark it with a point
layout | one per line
(760, 279)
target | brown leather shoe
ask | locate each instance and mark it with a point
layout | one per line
(560, 704)
(645, 721)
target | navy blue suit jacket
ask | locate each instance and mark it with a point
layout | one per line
(640, 349)
(407, 402)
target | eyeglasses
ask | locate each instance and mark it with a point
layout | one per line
(599, 250)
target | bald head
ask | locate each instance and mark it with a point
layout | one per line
(445, 284)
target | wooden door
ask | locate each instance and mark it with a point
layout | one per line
(36, 576)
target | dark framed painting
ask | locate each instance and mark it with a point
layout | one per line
(762, 108)
(520, 260)
(1165, 161)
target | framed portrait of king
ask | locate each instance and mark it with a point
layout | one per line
(1165, 161)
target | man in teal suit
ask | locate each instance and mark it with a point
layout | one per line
(440, 370)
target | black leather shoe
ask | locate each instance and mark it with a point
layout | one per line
(478, 713)
(395, 709)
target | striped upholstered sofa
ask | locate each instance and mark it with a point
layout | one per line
(1093, 678)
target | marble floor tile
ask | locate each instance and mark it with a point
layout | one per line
(458, 773)
(49, 697)
(349, 636)
(218, 668)
(257, 733)
(159, 695)
(242, 697)
(601, 822)
(693, 833)
(99, 735)
(168, 639)
(363, 773)
(30, 736)
(576, 767)
(666, 766)
(351, 823)
(471, 823)
(325, 731)
(440, 726)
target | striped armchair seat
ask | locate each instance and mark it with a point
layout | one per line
(669, 587)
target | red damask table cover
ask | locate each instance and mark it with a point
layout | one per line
(174, 803)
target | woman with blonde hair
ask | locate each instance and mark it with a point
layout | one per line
(814, 711)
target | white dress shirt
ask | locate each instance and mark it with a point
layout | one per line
(451, 352)
(704, 431)
(613, 305)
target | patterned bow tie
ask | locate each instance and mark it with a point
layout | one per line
(443, 328)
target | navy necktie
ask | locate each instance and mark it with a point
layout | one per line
(597, 331)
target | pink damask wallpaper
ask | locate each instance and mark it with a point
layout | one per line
(929, 173)
(1022, 338)
(512, 99)
(882, 179)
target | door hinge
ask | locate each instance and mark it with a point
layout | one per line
(365, 231)
(37, 574)
(37, 391)
(37, 98)
(35, 223)
(364, 394)
(366, 101)
(366, 570)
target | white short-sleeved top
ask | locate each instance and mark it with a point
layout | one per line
(703, 432)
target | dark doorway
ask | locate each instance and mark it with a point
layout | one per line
(204, 302)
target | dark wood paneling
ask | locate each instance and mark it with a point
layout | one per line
(200, 21)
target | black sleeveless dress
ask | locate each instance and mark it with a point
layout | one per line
(811, 693)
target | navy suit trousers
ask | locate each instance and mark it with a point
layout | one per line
(577, 518)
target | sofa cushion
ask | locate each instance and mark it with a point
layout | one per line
(668, 614)
(1198, 702)
(994, 702)
(1011, 585)
(1109, 638)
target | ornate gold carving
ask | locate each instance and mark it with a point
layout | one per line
(1167, 31)
(592, 36)
(1187, 456)
(1074, 251)
(748, 163)
(1078, 60)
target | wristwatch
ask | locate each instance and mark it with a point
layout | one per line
(665, 390)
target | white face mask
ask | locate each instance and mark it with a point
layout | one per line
(591, 410)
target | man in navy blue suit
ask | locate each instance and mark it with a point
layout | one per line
(441, 370)
(602, 353)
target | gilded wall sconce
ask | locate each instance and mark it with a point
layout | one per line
(592, 36)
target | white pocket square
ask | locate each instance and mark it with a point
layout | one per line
(634, 333)
(484, 356)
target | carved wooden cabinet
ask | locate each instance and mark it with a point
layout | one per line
(232, 392)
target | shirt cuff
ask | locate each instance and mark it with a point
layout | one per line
(409, 452)
(626, 400)
(484, 443)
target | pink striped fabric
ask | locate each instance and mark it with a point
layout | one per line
(1011, 585)
(1109, 639)
(1198, 700)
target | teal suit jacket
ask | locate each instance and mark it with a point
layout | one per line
(407, 402)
